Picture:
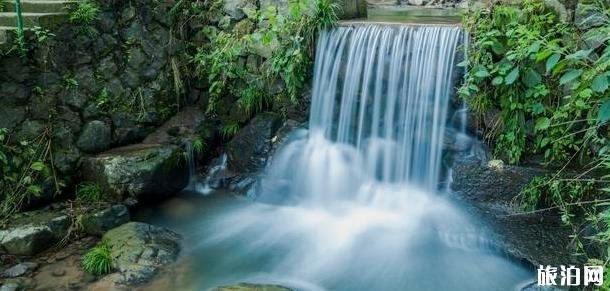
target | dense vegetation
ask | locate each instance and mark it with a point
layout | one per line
(548, 77)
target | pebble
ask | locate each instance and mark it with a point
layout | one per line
(59, 272)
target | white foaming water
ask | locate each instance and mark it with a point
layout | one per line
(353, 206)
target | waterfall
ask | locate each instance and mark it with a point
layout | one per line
(378, 115)
(347, 206)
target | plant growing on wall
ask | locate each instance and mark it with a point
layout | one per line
(291, 39)
(530, 64)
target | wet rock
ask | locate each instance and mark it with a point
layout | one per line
(95, 137)
(33, 232)
(249, 150)
(19, 269)
(139, 171)
(184, 125)
(490, 190)
(99, 221)
(139, 250)
(252, 287)
(456, 141)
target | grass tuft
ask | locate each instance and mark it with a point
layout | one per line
(98, 260)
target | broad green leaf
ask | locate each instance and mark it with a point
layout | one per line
(497, 47)
(497, 81)
(34, 189)
(552, 61)
(604, 113)
(481, 73)
(600, 83)
(535, 47)
(512, 76)
(532, 78)
(38, 166)
(570, 76)
(579, 55)
(543, 55)
(537, 108)
(542, 124)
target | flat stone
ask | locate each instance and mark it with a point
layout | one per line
(139, 250)
(19, 269)
(34, 232)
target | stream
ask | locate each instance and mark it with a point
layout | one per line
(354, 202)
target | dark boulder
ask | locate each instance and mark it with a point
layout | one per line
(98, 221)
(490, 189)
(249, 150)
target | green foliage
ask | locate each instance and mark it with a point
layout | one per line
(229, 130)
(2, 5)
(550, 191)
(90, 193)
(241, 90)
(98, 261)
(25, 171)
(199, 145)
(42, 35)
(84, 13)
(530, 64)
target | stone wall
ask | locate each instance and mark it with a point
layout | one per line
(95, 87)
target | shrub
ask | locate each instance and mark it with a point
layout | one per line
(98, 260)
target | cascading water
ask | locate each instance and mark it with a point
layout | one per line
(380, 102)
(354, 204)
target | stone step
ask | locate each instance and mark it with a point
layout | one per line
(40, 6)
(5, 38)
(32, 19)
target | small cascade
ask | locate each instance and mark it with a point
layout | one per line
(378, 116)
(192, 164)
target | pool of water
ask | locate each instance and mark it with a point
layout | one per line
(229, 239)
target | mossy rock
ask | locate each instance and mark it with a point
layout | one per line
(143, 171)
(139, 250)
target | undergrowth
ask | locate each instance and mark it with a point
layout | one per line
(27, 172)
